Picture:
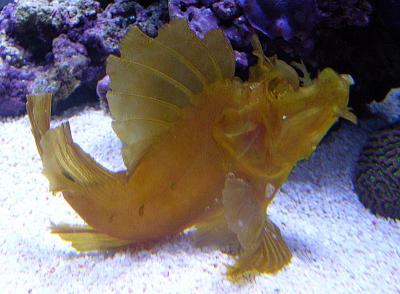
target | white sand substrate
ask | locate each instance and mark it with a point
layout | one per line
(337, 245)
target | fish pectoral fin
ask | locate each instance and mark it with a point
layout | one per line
(268, 254)
(263, 248)
(213, 231)
(87, 239)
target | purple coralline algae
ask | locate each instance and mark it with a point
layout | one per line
(285, 19)
(360, 37)
(289, 28)
(291, 24)
(343, 13)
(103, 86)
(206, 15)
(61, 46)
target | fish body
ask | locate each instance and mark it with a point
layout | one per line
(179, 178)
(202, 148)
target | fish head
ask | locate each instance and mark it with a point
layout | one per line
(280, 122)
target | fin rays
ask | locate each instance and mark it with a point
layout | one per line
(39, 108)
(183, 59)
(87, 239)
(155, 78)
(179, 30)
(65, 162)
(150, 103)
(179, 85)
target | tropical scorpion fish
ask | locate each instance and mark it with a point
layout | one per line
(201, 147)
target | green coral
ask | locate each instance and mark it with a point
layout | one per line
(377, 177)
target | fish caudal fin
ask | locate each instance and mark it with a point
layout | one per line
(87, 239)
(39, 109)
(65, 164)
(263, 248)
(94, 192)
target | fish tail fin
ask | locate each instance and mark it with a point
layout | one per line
(65, 164)
(87, 239)
(89, 188)
(39, 109)
(263, 248)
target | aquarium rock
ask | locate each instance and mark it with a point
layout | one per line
(207, 15)
(336, 33)
(310, 30)
(357, 37)
(103, 86)
(4, 3)
(370, 54)
(343, 13)
(284, 19)
(289, 25)
(389, 13)
(377, 176)
(389, 109)
(61, 46)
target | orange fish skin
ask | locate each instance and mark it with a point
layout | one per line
(176, 183)
(201, 147)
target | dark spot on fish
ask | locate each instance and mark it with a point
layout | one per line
(111, 218)
(172, 185)
(68, 175)
(141, 210)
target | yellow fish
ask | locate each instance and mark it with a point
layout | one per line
(201, 147)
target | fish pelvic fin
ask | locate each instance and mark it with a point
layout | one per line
(87, 239)
(263, 249)
(214, 230)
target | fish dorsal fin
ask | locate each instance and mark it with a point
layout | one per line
(155, 78)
